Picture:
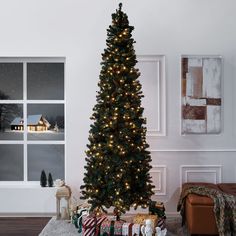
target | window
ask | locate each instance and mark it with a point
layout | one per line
(32, 119)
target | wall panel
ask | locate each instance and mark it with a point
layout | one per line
(77, 31)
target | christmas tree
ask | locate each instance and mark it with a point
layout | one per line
(56, 128)
(118, 163)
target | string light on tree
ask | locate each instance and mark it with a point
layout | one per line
(118, 162)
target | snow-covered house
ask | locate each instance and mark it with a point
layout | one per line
(34, 123)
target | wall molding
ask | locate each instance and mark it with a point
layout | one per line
(173, 214)
(160, 130)
(160, 183)
(192, 150)
(202, 171)
(2, 214)
(189, 172)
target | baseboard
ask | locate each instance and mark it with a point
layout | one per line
(27, 214)
(173, 214)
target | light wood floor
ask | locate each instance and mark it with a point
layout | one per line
(22, 226)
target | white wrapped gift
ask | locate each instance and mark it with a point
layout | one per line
(136, 229)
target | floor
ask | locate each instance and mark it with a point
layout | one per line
(32, 226)
(22, 226)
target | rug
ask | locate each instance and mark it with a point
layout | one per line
(63, 228)
(59, 228)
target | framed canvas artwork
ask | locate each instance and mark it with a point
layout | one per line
(201, 94)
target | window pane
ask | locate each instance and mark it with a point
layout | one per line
(45, 121)
(45, 81)
(11, 81)
(45, 157)
(11, 122)
(11, 162)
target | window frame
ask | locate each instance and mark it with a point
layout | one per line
(25, 142)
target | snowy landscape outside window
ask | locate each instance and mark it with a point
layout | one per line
(32, 119)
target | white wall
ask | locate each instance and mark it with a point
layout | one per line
(76, 29)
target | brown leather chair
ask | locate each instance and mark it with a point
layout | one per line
(200, 218)
(229, 188)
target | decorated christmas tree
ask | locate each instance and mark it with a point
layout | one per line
(118, 163)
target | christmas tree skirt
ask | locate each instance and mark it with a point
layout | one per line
(63, 228)
(59, 228)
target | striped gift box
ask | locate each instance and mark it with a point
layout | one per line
(91, 225)
(136, 229)
(127, 229)
(161, 223)
(111, 227)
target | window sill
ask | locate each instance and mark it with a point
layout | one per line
(21, 185)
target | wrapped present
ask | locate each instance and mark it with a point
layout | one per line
(140, 219)
(111, 228)
(127, 229)
(77, 212)
(157, 208)
(91, 225)
(76, 218)
(136, 229)
(161, 223)
(160, 232)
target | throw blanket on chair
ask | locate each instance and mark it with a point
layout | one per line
(224, 207)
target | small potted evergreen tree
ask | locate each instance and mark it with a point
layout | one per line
(50, 180)
(43, 179)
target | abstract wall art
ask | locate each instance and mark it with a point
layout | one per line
(201, 94)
